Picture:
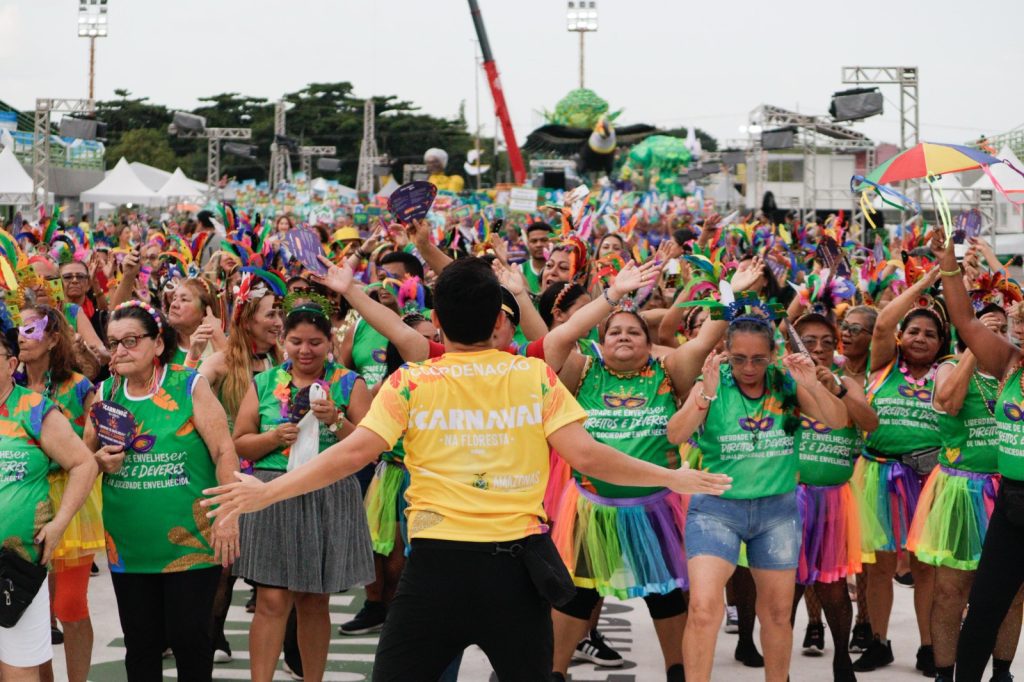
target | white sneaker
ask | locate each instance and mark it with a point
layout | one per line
(732, 620)
(168, 653)
(294, 675)
(222, 656)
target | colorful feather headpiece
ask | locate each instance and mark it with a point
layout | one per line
(995, 289)
(255, 284)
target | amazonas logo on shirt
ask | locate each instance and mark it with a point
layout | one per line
(478, 420)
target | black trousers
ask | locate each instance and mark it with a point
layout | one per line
(167, 609)
(999, 577)
(449, 598)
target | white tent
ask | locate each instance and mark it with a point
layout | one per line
(1011, 181)
(180, 187)
(15, 182)
(121, 186)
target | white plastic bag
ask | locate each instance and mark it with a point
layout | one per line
(307, 445)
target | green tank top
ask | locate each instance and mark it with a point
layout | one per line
(631, 415)
(826, 455)
(369, 353)
(906, 420)
(275, 391)
(1010, 423)
(71, 314)
(532, 278)
(24, 490)
(969, 439)
(70, 397)
(151, 506)
(751, 439)
(179, 357)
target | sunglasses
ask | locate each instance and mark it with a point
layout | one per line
(854, 328)
(758, 361)
(74, 276)
(129, 342)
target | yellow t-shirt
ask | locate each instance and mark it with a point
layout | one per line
(449, 183)
(476, 427)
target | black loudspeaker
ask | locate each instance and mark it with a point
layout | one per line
(188, 122)
(734, 157)
(857, 104)
(328, 164)
(246, 151)
(82, 128)
(553, 180)
(782, 138)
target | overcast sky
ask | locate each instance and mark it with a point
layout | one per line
(666, 62)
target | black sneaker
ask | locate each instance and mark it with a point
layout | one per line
(861, 638)
(94, 570)
(906, 580)
(842, 670)
(926, 660)
(596, 650)
(675, 673)
(250, 604)
(748, 655)
(56, 636)
(369, 619)
(1004, 676)
(878, 655)
(814, 640)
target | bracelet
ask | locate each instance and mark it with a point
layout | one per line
(609, 300)
(190, 363)
(709, 398)
(842, 391)
(951, 273)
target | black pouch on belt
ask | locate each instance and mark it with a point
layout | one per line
(20, 580)
(547, 572)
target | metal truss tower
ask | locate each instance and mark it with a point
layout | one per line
(367, 150)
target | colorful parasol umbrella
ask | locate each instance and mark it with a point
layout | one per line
(927, 160)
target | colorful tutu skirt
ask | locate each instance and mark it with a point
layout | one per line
(887, 492)
(84, 535)
(952, 518)
(385, 504)
(831, 545)
(624, 548)
(559, 477)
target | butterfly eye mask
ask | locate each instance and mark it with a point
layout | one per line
(35, 330)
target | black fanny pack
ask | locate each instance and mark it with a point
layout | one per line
(20, 580)
(921, 462)
(539, 556)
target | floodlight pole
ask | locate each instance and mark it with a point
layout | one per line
(92, 66)
(306, 155)
(582, 33)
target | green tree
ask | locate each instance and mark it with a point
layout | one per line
(146, 145)
(127, 113)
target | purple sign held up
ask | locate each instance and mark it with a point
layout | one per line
(412, 200)
(114, 424)
(304, 245)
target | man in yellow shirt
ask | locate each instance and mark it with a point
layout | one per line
(477, 423)
(436, 160)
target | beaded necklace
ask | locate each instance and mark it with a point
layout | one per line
(918, 383)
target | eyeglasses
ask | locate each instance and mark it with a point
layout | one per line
(825, 342)
(854, 328)
(301, 290)
(74, 276)
(758, 361)
(129, 342)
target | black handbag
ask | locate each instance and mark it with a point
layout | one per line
(546, 569)
(20, 580)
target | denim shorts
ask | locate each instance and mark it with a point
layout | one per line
(769, 525)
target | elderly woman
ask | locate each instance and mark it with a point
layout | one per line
(33, 432)
(162, 552)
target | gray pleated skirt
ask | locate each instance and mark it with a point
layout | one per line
(317, 543)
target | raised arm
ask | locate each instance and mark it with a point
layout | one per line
(883, 340)
(410, 344)
(995, 354)
(690, 417)
(512, 279)
(435, 257)
(561, 341)
(952, 382)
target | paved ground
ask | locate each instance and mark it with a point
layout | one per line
(626, 625)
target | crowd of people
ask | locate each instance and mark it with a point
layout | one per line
(506, 424)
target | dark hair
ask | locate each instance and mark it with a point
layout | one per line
(611, 235)
(73, 262)
(150, 326)
(690, 317)
(392, 358)
(940, 327)
(749, 326)
(205, 218)
(682, 236)
(602, 329)
(536, 226)
(411, 263)
(562, 293)
(467, 301)
(62, 355)
(308, 313)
